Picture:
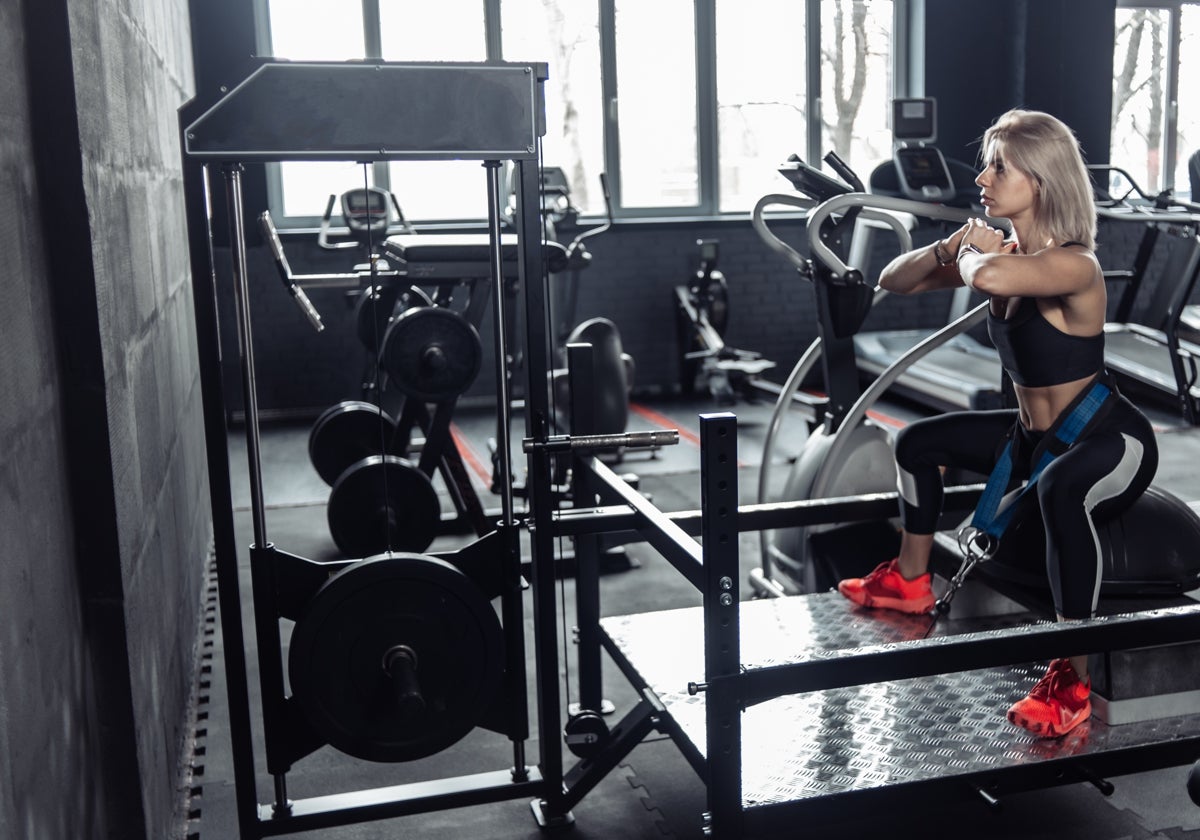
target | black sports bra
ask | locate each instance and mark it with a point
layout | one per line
(1037, 354)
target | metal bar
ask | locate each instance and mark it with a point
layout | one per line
(637, 724)
(722, 637)
(241, 291)
(512, 603)
(541, 499)
(204, 301)
(679, 549)
(968, 651)
(397, 801)
(761, 517)
(581, 384)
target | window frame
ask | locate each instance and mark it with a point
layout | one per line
(906, 80)
(1170, 126)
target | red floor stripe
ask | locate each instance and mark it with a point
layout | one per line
(665, 422)
(877, 416)
(469, 456)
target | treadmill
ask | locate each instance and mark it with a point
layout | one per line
(965, 373)
(1154, 348)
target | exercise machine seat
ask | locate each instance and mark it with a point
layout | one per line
(1149, 550)
(611, 374)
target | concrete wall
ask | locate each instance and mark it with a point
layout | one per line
(104, 525)
(43, 663)
(132, 72)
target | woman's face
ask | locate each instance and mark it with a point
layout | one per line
(1005, 191)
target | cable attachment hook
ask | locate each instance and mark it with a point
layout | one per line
(977, 546)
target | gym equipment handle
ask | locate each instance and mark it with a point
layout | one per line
(400, 663)
(285, 272)
(628, 440)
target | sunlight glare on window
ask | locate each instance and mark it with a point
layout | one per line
(761, 111)
(455, 189)
(449, 30)
(566, 35)
(656, 103)
(1139, 84)
(316, 30)
(856, 81)
(307, 186)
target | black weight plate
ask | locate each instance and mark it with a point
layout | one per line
(378, 305)
(346, 433)
(339, 646)
(431, 354)
(382, 503)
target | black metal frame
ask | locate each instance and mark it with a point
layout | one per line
(389, 111)
(729, 688)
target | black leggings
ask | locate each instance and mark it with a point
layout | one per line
(1098, 477)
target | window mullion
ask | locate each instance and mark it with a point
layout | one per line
(608, 84)
(372, 37)
(812, 52)
(707, 134)
(1171, 128)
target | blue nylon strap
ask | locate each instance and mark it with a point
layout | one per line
(986, 518)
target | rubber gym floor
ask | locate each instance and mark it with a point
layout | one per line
(654, 794)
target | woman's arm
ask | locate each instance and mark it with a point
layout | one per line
(987, 264)
(925, 269)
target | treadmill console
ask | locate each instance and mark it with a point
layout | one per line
(921, 168)
(366, 209)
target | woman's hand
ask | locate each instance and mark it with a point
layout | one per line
(953, 242)
(982, 236)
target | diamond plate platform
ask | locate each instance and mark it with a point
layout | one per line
(834, 741)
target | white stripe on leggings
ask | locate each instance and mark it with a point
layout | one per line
(1111, 486)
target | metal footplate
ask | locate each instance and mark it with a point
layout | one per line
(804, 748)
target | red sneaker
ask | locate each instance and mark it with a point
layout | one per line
(1056, 705)
(886, 588)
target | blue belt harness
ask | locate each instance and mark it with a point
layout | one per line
(979, 539)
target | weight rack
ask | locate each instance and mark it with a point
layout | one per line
(361, 112)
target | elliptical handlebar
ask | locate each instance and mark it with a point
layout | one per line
(870, 205)
(285, 271)
(323, 233)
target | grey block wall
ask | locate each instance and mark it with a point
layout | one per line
(46, 730)
(104, 524)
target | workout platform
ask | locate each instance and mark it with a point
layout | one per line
(821, 746)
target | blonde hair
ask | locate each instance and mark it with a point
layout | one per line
(1045, 149)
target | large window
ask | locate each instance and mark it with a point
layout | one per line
(689, 105)
(1155, 115)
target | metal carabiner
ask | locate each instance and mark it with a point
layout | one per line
(976, 544)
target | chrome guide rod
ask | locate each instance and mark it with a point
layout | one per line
(241, 289)
(504, 480)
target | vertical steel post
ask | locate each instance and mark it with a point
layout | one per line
(581, 377)
(266, 616)
(512, 605)
(541, 502)
(722, 637)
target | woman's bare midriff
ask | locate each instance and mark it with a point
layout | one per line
(1040, 407)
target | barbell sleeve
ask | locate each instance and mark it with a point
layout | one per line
(626, 440)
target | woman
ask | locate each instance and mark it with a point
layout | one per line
(1046, 318)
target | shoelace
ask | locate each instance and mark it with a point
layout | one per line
(1051, 683)
(878, 572)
